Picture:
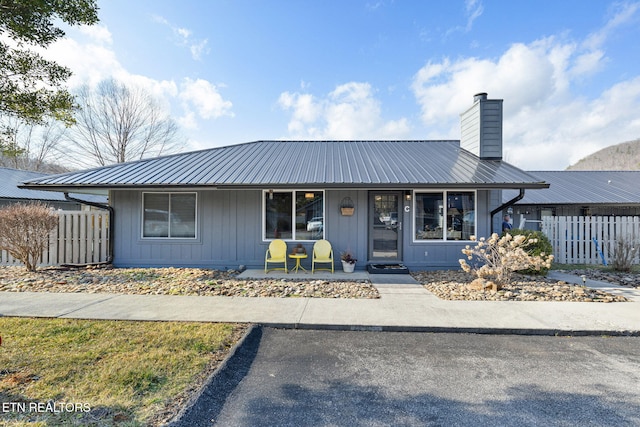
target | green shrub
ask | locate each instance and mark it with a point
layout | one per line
(542, 246)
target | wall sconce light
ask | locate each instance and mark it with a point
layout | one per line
(270, 194)
(407, 196)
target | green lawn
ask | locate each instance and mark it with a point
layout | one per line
(103, 373)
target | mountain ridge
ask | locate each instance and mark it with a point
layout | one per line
(623, 156)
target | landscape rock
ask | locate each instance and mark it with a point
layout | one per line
(174, 281)
(461, 286)
(446, 284)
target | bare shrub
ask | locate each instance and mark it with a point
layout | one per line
(623, 254)
(24, 231)
(498, 257)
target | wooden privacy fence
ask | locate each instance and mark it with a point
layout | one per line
(80, 238)
(590, 239)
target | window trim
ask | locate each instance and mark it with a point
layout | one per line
(196, 219)
(263, 214)
(444, 193)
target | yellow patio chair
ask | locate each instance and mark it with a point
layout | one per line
(322, 254)
(277, 253)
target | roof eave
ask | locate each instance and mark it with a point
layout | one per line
(92, 190)
(101, 189)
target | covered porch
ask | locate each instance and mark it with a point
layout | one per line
(356, 276)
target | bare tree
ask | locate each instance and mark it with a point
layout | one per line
(32, 146)
(117, 123)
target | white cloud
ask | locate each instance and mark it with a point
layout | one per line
(351, 111)
(91, 59)
(98, 33)
(89, 54)
(184, 38)
(445, 89)
(306, 111)
(199, 49)
(160, 20)
(183, 32)
(546, 126)
(473, 9)
(204, 97)
(188, 120)
(624, 15)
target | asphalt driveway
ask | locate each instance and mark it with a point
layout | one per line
(334, 378)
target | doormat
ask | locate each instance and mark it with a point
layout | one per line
(387, 269)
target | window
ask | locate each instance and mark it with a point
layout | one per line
(449, 215)
(169, 215)
(293, 215)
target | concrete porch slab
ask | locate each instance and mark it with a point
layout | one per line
(305, 275)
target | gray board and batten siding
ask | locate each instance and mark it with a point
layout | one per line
(229, 232)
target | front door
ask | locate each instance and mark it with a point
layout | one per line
(385, 226)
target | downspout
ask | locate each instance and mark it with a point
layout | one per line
(111, 218)
(506, 205)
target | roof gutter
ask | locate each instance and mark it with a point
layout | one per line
(506, 205)
(111, 222)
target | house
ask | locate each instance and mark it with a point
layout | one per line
(411, 202)
(578, 193)
(10, 193)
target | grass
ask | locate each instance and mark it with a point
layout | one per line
(118, 373)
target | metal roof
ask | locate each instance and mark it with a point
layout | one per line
(311, 163)
(583, 187)
(11, 178)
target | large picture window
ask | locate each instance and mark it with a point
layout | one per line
(169, 215)
(448, 215)
(293, 215)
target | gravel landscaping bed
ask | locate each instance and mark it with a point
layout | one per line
(454, 285)
(173, 281)
(450, 285)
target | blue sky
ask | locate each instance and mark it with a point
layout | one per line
(237, 71)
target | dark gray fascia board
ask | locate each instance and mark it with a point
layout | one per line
(403, 186)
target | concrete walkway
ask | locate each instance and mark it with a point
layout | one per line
(404, 306)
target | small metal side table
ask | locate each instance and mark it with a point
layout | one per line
(298, 257)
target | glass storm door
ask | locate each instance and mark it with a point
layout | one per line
(385, 226)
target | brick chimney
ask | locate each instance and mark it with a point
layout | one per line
(481, 128)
